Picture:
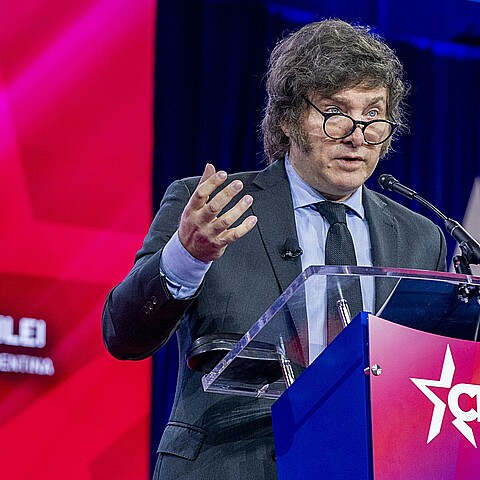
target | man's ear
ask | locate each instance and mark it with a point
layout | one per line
(285, 129)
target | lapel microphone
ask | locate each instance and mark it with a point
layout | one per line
(291, 249)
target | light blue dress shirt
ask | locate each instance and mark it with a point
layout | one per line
(312, 231)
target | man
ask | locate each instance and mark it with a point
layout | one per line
(212, 260)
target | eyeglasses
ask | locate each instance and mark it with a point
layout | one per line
(339, 125)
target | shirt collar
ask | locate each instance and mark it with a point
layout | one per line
(304, 195)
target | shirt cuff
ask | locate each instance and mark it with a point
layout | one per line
(180, 268)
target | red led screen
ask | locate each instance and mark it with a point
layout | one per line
(76, 94)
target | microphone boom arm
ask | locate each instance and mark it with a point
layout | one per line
(468, 245)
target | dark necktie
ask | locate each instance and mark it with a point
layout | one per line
(339, 250)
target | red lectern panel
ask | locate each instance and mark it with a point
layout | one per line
(425, 404)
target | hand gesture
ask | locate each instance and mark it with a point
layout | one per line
(202, 232)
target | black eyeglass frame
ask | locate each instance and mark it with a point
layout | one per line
(363, 125)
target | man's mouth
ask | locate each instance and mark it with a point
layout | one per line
(351, 159)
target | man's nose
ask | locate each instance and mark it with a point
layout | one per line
(356, 138)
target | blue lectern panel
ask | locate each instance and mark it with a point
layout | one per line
(322, 422)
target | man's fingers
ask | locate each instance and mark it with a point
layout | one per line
(206, 188)
(207, 173)
(220, 200)
(231, 216)
(202, 231)
(233, 234)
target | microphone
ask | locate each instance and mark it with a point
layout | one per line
(389, 182)
(468, 245)
(291, 250)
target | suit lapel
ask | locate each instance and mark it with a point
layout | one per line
(383, 231)
(384, 241)
(276, 222)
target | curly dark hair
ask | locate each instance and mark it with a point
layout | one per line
(326, 57)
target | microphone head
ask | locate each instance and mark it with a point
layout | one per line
(387, 181)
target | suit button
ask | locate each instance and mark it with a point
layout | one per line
(146, 311)
(150, 306)
(154, 300)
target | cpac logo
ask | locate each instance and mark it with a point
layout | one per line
(461, 416)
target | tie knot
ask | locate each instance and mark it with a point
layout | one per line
(333, 212)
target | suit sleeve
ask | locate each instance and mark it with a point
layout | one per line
(140, 314)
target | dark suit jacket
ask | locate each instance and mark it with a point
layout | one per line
(218, 436)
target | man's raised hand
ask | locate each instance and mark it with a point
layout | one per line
(203, 233)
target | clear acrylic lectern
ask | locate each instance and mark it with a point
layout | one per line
(279, 346)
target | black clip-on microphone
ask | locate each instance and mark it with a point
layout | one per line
(291, 249)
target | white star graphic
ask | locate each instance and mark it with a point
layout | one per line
(439, 407)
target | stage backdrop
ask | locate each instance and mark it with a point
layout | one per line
(76, 93)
